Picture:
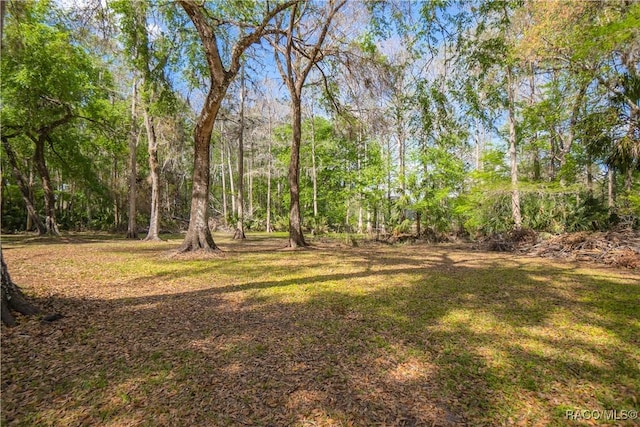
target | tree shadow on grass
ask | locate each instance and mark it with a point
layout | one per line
(403, 340)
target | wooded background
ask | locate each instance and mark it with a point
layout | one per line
(438, 118)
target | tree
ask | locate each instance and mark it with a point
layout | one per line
(150, 56)
(239, 233)
(48, 84)
(134, 137)
(295, 59)
(209, 25)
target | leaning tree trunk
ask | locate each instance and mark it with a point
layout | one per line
(13, 298)
(25, 189)
(198, 235)
(296, 238)
(154, 217)
(49, 195)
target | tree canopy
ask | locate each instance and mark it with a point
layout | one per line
(438, 118)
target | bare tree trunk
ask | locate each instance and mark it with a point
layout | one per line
(12, 298)
(515, 194)
(49, 195)
(198, 235)
(314, 172)
(30, 219)
(134, 138)
(388, 210)
(231, 184)
(589, 176)
(154, 216)
(567, 141)
(269, 179)
(250, 176)
(478, 153)
(25, 190)
(628, 180)
(225, 212)
(401, 158)
(116, 198)
(296, 238)
(611, 186)
(239, 233)
(532, 100)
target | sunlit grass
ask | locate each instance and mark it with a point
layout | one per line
(332, 336)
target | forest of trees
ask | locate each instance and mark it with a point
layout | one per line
(434, 118)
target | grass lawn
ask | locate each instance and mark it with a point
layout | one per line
(406, 335)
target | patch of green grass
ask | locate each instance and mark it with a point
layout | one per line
(332, 335)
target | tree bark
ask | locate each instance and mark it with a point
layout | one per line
(268, 225)
(198, 235)
(13, 298)
(611, 189)
(515, 193)
(294, 72)
(567, 141)
(25, 189)
(296, 237)
(134, 138)
(314, 172)
(154, 217)
(49, 194)
(239, 233)
(231, 180)
(224, 180)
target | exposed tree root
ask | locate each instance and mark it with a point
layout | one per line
(13, 299)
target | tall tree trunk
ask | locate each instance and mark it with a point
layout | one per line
(134, 138)
(314, 171)
(401, 159)
(628, 180)
(269, 178)
(29, 225)
(589, 176)
(225, 212)
(250, 177)
(532, 100)
(198, 235)
(12, 298)
(388, 210)
(49, 194)
(479, 143)
(515, 193)
(611, 189)
(154, 216)
(239, 233)
(231, 180)
(25, 189)
(360, 198)
(115, 192)
(296, 238)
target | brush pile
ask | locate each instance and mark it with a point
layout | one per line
(618, 248)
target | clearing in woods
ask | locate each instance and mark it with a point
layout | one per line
(336, 335)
